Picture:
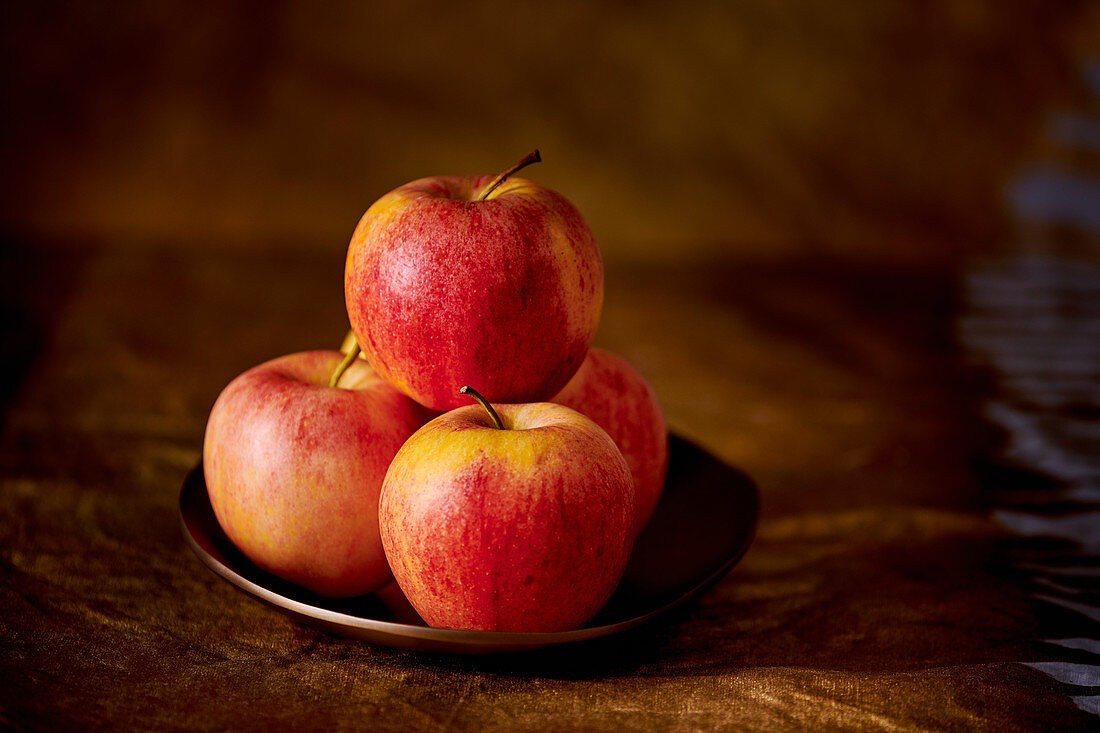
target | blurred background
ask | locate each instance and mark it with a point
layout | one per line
(692, 131)
(828, 230)
(786, 197)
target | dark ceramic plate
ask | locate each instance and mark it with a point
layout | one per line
(702, 526)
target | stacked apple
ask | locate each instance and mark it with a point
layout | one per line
(481, 451)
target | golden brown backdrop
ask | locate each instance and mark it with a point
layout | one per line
(786, 195)
(681, 129)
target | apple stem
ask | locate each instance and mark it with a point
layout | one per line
(532, 157)
(484, 403)
(349, 359)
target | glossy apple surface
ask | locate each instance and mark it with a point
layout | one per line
(610, 391)
(444, 290)
(294, 468)
(528, 528)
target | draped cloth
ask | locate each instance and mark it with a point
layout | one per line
(880, 591)
(922, 428)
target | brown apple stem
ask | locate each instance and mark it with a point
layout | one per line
(532, 157)
(349, 359)
(484, 403)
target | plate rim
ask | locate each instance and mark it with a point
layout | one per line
(454, 640)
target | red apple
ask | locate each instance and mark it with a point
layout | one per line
(496, 282)
(294, 467)
(523, 527)
(610, 391)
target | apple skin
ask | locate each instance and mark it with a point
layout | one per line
(293, 468)
(609, 390)
(443, 290)
(524, 529)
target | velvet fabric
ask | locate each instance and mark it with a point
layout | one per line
(852, 247)
(878, 592)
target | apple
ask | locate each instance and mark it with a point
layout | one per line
(508, 517)
(294, 466)
(496, 282)
(609, 390)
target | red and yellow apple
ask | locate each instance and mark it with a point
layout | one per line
(610, 391)
(294, 467)
(523, 527)
(496, 282)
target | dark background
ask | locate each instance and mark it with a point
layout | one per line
(789, 198)
(682, 130)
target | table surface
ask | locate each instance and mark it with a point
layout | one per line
(848, 358)
(877, 590)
